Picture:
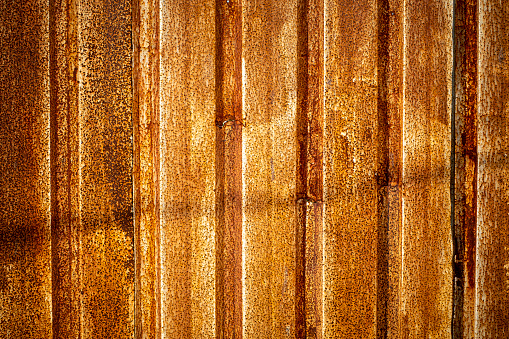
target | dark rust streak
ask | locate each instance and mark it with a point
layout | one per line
(382, 175)
(302, 180)
(300, 270)
(229, 169)
(55, 225)
(314, 105)
(465, 219)
(394, 95)
(309, 181)
(470, 141)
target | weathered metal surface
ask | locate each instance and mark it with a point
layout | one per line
(25, 243)
(426, 275)
(229, 169)
(269, 147)
(492, 254)
(309, 190)
(105, 215)
(146, 168)
(253, 169)
(187, 236)
(390, 165)
(65, 210)
(350, 165)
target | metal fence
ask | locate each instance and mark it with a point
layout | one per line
(254, 169)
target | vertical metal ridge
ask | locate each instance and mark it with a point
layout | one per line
(492, 219)
(146, 181)
(156, 155)
(63, 156)
(229, 169)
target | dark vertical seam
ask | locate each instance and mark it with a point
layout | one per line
(457, 274)
(382, 174)
(135, 169)
(228, 158)
(54, 217)
(302, 164)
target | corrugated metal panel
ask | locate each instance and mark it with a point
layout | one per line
(256, 169)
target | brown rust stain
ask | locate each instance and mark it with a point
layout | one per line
(390, 75)
(245, 116)
(228, 162)
(309, 190)
(492, 245)
(174, 150)
(25, 234)
(314, 270)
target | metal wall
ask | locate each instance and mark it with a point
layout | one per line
(254, 169)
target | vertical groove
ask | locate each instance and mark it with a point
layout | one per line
(457, 271)
(464, 173)
(229, 169)
(138, 315)
(382, 179)
(393, 73)
(55, 263)
(301, 185)
(309, 187)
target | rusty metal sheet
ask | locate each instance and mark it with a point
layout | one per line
(25, 242)
(269, 80)
(350, 165)
(492, 254)
(426, 286)
(65, 226)
(253, 168)
(106, 235)
(229, 170)
(186, 178)
(146, 168)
